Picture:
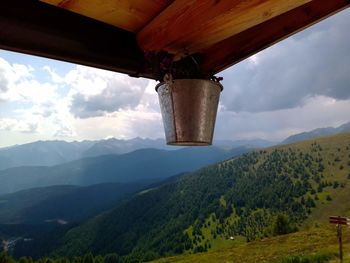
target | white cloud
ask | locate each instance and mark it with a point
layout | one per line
(10, 76)
(18, 84)
(54, 76)
(96, 92)
(98, 102)
(8, 124)
(40, 109)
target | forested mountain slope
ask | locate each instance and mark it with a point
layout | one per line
(241, 197)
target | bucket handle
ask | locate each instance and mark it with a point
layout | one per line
(168, 80)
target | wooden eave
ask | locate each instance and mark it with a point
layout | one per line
(114, 35)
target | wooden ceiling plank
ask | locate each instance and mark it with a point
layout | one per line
(130, 15)
(189, 26)
(238, 47)
(79, 39)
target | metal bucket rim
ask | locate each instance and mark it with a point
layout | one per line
(189, 143)
(213, 82)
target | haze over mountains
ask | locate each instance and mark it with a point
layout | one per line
(47, 163)
(61, 204)
(145, 165)
(49, 153)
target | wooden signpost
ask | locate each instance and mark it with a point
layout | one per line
(339, 221)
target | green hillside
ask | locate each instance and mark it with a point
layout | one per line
(316, 244)
(321, 247)
(244, 199)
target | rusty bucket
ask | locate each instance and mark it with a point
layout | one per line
(189, 108)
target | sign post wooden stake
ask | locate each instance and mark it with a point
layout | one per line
(339, 233)
(339, 221)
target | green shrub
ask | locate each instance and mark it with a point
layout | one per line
(282, 225)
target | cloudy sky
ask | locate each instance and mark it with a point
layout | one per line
(300, 84)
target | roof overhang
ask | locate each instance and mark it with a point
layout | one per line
(114, 35)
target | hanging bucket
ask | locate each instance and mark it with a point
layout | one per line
(189, 109)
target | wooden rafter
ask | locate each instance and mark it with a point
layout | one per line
(130, 15)
(192, 26)
(40, 29)
(240, 46)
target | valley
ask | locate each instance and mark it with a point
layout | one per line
(263, 206)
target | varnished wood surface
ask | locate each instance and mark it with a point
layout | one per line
(190, 26)
(130, 15)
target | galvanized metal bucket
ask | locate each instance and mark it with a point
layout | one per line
(189, 108)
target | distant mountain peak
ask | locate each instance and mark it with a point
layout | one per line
(55, 152)
(319, 132)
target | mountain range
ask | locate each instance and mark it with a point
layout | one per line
(145, 165)
(47, 163)
(317, 133)
(50, 153)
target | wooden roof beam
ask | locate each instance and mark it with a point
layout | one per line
(190, 26)
(40, 29)
(130, 15)
(240, 46)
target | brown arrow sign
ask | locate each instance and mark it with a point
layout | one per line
(338, 220)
